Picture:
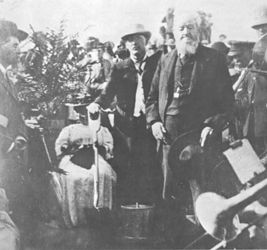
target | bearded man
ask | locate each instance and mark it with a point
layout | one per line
(191, 90)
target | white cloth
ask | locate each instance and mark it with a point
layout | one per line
(139, 107)
(75, 191)
(9, 233)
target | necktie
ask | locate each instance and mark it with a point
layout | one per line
(184, 59)
(141, 67)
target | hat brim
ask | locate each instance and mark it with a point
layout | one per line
(234, 53)
(189, 138)
(21, 35)
(146, 34)
(257, 25)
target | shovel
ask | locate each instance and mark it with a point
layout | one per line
(96, 216)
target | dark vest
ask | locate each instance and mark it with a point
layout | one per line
(181, 84)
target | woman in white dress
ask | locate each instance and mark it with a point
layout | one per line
(75, 190)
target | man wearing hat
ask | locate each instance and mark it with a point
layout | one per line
(240, 55)
(13, 132)
(253, 95)
(129, 84)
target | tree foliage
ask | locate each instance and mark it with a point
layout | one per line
(51, 71)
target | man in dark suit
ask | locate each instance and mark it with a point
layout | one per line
(191, 90)
(130, 83)
(12, 130)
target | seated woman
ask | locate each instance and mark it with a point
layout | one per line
(75, 190)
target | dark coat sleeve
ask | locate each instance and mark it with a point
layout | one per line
(108, 94)
(224, 97)
(152, 109)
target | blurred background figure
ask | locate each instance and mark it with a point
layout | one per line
(170, 44)
(98, 71)
(222, 38)
(108, 51)
(240, 54)
(221, 47)
(151, 48)
(121, 53)
(205, 43)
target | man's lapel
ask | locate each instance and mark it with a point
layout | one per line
(8, 86)
(200, 61)
(132, 74)
(167, 71)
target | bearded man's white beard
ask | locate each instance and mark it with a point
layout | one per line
(185, 47)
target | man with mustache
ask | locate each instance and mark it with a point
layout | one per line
(133, 145)
(12, 139)
(191, 90)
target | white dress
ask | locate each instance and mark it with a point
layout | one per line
(75, 190)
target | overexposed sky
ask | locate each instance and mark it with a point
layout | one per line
(109, 19)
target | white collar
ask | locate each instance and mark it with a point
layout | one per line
(3, 69)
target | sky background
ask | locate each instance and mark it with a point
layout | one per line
(110, 19)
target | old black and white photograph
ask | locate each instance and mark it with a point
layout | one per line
(133, 125)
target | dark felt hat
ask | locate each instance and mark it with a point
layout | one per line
(239, 47)
(221, 47)
(8, 28)
(137, 29)
(183, 149)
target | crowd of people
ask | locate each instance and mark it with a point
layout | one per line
(146, 99)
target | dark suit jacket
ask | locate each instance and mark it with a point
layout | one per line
(10, 107)
(210, 98)
(123, 84)
(254, 95)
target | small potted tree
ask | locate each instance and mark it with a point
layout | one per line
(51, 77)
(51, 73)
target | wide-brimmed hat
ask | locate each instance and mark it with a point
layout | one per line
(182, 150)
(238, 47)
(260, 17)
(8, 28)
(221, 47)
(137, 29)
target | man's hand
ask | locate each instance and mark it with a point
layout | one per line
(93, 108)
(205, 133)
(158, 130)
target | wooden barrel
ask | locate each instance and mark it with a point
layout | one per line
(136, 221)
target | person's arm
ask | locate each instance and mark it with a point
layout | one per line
(152, 107)
(224, 97)
(105, 143)
(108, 93)
(152, 110)
(62, 143)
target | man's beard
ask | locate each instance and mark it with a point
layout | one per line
(186, 47)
